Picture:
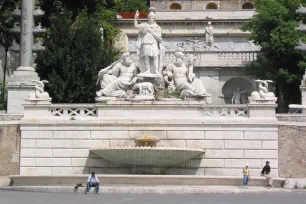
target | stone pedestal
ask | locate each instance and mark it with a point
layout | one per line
(146, 90)
(20, 85)
(262, 108)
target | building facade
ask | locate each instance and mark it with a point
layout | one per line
(196, 5)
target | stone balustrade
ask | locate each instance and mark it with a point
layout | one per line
(213, 58)
(154, 109)
(237, 56)
(59, 110)
(225, 111)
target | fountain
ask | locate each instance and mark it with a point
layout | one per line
(147, 154)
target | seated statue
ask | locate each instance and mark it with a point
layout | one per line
(119, 77)
(181, 79)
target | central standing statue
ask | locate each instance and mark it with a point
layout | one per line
(149, 48)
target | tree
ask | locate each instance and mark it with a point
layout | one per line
(75, 52)
(274, 29)
(6, 22)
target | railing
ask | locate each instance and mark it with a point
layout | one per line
(237, 56)
(212, 58)
(222, 111)
(73, 111)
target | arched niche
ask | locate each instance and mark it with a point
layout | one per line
(248, 5)
(211, 5)
(175, 6)
(231, 85)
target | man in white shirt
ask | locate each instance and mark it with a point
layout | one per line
(93, 181)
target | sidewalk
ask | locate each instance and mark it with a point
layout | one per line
(149, 189)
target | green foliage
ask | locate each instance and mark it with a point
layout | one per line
(6, 18)
(75, 52)
(6, 21)
(274, 29)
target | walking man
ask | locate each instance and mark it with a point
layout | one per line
(266, 173)
(93, 181)
(246, 175)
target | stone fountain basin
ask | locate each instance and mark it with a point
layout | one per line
(147, 156)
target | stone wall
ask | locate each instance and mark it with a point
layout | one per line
(9, 145)
(292, 151)
(226, 151)
(53, 143)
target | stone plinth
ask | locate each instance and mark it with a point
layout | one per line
(262, 108)
(20, 85)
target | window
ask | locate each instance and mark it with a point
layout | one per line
(211, 6)
(175, 6)
(248, 5)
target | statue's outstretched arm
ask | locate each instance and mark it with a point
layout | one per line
(136, 25)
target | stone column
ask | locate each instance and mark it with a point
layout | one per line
(21, 83)
(26, 36)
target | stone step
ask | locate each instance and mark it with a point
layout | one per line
(147, 189)
(141, 180)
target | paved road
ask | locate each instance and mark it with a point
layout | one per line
(10, 197)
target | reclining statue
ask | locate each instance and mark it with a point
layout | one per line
(181, 79)
(117, 78)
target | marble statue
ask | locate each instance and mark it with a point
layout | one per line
(209, 35)
(197, 44)
(117, 78)
(145, 91)
(181, 79)
(39, 27)
(263, 93)
(39, 93)
(237, 96)
(149, 48)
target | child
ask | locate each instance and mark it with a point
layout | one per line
(246, 175)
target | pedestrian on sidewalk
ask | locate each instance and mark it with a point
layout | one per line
(246, 175)
(93, 181)
(266, 173)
